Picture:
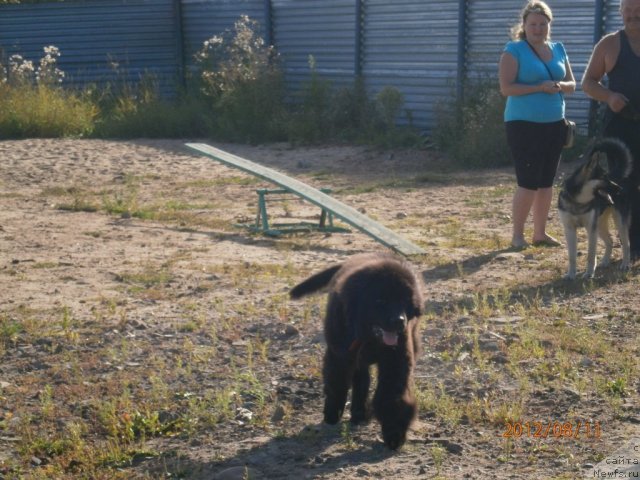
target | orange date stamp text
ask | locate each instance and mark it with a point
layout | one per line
(553, 429)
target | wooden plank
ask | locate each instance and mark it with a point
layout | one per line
(346, 213)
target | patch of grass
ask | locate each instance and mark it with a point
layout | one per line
(527, 349)
(45, 265)
(616, 387)
(43, 111)
(438, 454)
(346, 435)
(79, 198)
(502, 412)
(10, 329)
(401, 183)
(149, 277)
(440, 403)
(123, 200)
(150, 282)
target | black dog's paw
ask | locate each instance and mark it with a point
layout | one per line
(332, 416)
(394, 437)
(359, 417)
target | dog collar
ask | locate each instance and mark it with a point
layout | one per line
(575, 209)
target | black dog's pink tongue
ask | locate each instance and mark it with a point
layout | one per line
(389, 338)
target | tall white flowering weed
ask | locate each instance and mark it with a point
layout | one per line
(237, 57)
(22, 72)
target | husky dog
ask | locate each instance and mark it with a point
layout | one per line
(593, 193)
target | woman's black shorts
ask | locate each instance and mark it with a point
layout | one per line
(536, 149)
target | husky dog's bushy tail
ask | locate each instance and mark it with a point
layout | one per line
(619, 161)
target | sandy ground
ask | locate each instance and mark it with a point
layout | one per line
(57, 253)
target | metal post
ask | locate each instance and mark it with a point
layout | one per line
(598, 24)
(357, 66)
(462, 49)
(268, 23)
(262, 220)
(179, 29)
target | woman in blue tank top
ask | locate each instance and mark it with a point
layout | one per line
(534, 75)
(617, 55)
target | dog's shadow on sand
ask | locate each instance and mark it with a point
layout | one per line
(550, 291)
(469, 265)
(561, 288)
(316, 450)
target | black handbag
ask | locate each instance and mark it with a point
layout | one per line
(571, 133)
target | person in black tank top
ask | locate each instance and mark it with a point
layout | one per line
(617, 56)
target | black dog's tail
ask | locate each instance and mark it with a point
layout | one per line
(619, 159)
(314, 282)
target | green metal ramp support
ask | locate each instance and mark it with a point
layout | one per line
(262, 219)
(345, 213)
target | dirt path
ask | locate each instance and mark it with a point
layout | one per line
(132, 307)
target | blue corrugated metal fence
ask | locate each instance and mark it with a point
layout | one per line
(99, 41)
(426, 49)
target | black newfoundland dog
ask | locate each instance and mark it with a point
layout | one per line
(372, 317)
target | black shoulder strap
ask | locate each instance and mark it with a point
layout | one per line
(540, 58)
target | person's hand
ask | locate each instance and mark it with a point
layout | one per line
(617, 102)
(550, 87)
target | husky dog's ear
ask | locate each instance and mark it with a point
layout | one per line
(593, 159)
(598, 156)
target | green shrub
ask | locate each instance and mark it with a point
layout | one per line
(390, 101)
(472, 130)
(353, 114)
(311, 117)
(252, 112)
(244, 85)
(157, 119)
(136, 110)
(348, 114)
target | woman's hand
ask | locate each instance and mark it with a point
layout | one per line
(550, 87)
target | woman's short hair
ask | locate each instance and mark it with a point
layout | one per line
(517, 31)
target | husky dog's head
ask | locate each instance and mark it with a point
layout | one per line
(608, 164)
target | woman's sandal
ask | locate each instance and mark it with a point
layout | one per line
(547, 242)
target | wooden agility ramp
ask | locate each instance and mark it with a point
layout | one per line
(327, 203)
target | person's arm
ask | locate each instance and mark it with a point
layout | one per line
(602, 60)
(568, 83)
(507, 74)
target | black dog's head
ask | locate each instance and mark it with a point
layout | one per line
(387, 298)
